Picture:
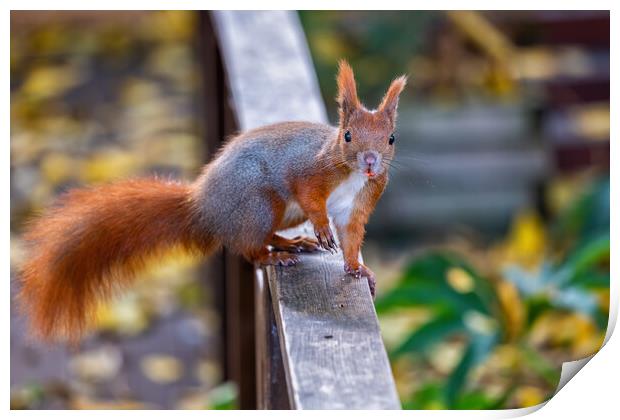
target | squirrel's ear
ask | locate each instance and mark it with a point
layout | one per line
(389, 104)
(347, 92)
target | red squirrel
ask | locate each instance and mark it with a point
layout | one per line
(264, 180)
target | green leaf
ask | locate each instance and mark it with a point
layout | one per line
(589, 254)
(223, 397)
(430, 333)
(429, 396)
(566, 286)
(478, 349)
(459, 374)
(424, 282)
(588, 215)
(591, 280)
(431, 294)
(428, 267)
(541, 366)
(478, 400)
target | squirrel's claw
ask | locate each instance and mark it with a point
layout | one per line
(326, 239)
(363, 271)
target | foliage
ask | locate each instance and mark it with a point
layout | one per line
(534, 319)
(378, 44)
(93, 99)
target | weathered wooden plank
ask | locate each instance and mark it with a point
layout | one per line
(271, 385)
(331, 346)
(269, 67)
(335, 358)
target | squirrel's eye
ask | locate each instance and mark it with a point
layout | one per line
(392, 139)
(347, 136)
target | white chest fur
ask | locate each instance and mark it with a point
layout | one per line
(340, 201)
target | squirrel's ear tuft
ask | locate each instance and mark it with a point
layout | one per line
(347, 91)
(389, 104)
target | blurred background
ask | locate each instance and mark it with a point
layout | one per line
(491, 244)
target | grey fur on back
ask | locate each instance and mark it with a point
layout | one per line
(237, 188)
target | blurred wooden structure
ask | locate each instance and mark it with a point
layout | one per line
(299, 337)
(575, 92)
(462, 166)
(472, 163)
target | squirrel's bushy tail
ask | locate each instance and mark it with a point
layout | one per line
(93, 241)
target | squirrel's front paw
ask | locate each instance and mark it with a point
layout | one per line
(326, 238)
(362, 271)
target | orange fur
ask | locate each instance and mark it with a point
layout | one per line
(347, 91)
(92, 242)
(390, 100)
(312, 192)
(352, 235)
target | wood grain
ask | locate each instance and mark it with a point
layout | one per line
(271, 385)
(269, 67)
(334, 355)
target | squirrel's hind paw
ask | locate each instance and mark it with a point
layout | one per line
(281, 258)
(297, 244)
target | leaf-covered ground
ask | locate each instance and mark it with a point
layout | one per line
(94, 100)
(474, 326)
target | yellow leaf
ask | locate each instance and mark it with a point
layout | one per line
(479, 322)
(97, 365)
(18, 251)
(446, 356)
(173, 61)
(50, 81)
(126, 315)
(57, 167)
(527, 396)
(161, 368)
(108, 165)
(460, 280)
(208, 373)
(172, 149)
(535, 63)
(397, 325)
(604, 299)
(180, 25)
(137, 91)
(405, 376)
(527, 240)
(84, 403)
(573, 331)
(512, 307)
(327, 46)
(593, 120)
(506, 357)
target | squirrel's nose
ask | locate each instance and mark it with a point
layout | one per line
(370, 158)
